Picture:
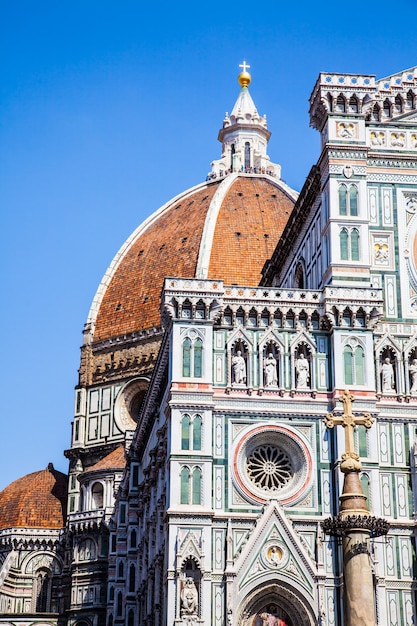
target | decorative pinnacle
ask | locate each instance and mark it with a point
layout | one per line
(244, 77)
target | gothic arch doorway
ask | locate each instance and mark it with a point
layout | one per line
(276, 605)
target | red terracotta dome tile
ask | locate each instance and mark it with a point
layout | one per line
(236, 221)
(37, 500)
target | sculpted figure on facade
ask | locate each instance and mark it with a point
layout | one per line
(387, 376)
(239, 368)
(413, 376)
(303, 372)
(189, 598)
(270, 371)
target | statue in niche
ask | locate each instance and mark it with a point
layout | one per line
(303, 372)
(387, 376)
(270, 371)
(413, 376)
(189, 597)
(239, 368)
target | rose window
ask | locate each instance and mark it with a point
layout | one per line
(272, 462)
(269, 468)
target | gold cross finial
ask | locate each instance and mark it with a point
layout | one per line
(350, 460)
(244, 77)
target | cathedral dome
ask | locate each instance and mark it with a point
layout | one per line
(224, 229)
(37, 500)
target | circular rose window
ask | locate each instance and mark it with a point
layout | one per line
(269, 468)
(272, 462)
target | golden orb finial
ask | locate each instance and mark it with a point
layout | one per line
(244, 77)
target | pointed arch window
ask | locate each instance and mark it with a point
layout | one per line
(191, 432)
(353, 104)
(354, 244)
(342, 200)
(348, 200)
(190, 485)
(398, 104)
(198, 358)
(344, 244)
(192, 358)
(353, 200)
(354, 359)
(184, 485)
(349, 244)
(341, 104)
(196, 486)
(197, 422)
(185, 432)
(387, 108)
(376, 113)
(186, 358)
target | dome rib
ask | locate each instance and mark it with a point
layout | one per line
(120, 255)
(221, 229)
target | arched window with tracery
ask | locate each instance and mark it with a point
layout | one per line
(348, 200)
(192, 357)
(191, 432)
(190, 485)
(354, 364)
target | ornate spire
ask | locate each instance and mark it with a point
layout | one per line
(244, 137)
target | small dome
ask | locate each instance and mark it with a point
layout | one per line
(37, 500)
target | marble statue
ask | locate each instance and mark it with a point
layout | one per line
(270, 371)
(413, 376)
(189, 598)
(239, 368)
(303, 373)
(387, 376)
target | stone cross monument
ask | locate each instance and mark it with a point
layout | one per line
(354, 523)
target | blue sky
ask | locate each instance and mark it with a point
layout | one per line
(107, 110)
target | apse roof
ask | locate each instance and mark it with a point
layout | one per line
(37, 500)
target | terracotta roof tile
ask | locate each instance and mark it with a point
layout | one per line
(37, 500)
(169, 247)
(249, 224)
(114, 460)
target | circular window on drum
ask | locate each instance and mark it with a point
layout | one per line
(272, 463)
